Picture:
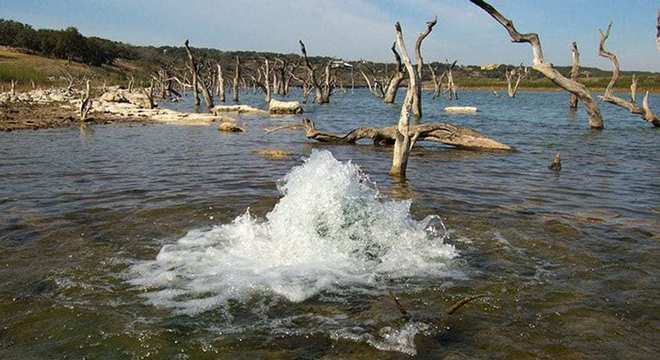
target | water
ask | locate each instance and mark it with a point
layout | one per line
(93, 227)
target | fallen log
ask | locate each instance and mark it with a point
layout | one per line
(444, 133)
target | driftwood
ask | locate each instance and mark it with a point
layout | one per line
(444, 133)
(609, 95)
(539, 64)
(575, 71)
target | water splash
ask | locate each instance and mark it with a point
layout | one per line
(330, 231)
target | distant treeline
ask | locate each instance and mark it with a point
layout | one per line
(63, 44)
(69, 44)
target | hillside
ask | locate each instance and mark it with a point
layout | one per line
(49, 57)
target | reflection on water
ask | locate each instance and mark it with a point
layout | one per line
(569, 261)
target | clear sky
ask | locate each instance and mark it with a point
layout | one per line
(363, 29)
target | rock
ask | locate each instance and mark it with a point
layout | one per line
(230, 126)
(284, 107)
(124, 96)
(238, 108)
(461, 109)
(113, 96)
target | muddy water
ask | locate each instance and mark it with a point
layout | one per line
(569, 261)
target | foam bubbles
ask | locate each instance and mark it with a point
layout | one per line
(329, 231)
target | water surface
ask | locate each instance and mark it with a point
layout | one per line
(569, 261)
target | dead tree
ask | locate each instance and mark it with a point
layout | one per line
(395, 79)
(263, 80)
(237, 75)
(512, 89)
(376, 89)
(66, 76)
(403, 142)
(220, 84)
(539, 64)
(305, 85)
(451, 86)
(657, 34)
(417, 95)
(575, 71)
(12, 89)
(131, 81)
(85, 105)
(323, 90)
(609, 95)
(437, 81)
(197, 80)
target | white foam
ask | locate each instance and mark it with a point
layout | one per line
(329, 231)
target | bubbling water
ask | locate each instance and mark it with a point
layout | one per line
(331, 230)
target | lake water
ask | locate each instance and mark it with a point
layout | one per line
(135, 241)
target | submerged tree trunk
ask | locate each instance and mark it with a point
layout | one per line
(402, 138)
(237, 75)
(451, 86)
(512, 89)
(575, 71)
(221, 84)
(539, 64)
(198, 82)
(323, 91)
(193, 72)
(609, 95)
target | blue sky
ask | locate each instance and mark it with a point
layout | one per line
(363, 29)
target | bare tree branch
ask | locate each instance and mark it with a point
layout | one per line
(539, 64)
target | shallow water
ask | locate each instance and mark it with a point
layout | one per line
(569, 261)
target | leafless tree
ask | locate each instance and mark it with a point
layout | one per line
(237, 75)
(452, 92)
(520, 73)
(575, 71)
(539, 64)
(657, 34)
(85, 105)
(220, 84)
(323, 89)
(395, 79)
(417, 94)
(609, 95)
(197, 81)
(437, 81)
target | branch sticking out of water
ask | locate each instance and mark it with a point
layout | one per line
(462, 302)
(401, 308)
